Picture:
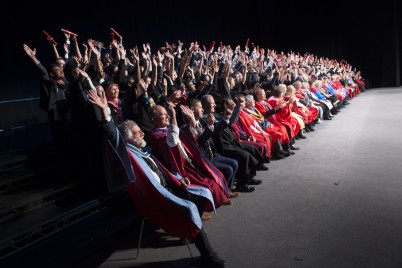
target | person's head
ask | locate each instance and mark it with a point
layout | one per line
(279, 91)
(256, 87)
(56, 72)
(159, 116)
(237, 77)
(148, 80)
(111, 90)
(241, 100)
(317, 84)
(250, 102)
(132, 133)
(106, 59)
(208, 104)
(231, 82)
(300, 71)
(290, 90)
(260, 94)
(297, 84)
(196, 107)
(205, 77)
(263, 77)
(60, 62)
(130, 81)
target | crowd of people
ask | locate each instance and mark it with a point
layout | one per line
(185, 128)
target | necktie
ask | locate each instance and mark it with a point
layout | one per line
(152, 165)
(184, 154)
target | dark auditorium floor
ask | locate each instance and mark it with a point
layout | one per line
(336, 203)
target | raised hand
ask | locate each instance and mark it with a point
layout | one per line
(99, 101)
(188, 113)
(210, 119)
(93, 49)
(230, 104)
(30, 52)
(159, 57)
(171, 111)
(134, 53)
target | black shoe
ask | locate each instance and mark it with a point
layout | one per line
(277, 156)
(286, 153)
(267, 160)
(307, 129)
(262, 167)
(255, 182)
(310, 127)
(289, 152)
(244, 189)
(213, 261)
(294, 148)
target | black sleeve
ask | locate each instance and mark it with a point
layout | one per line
(44, 73)
(111, 133)
(270, 112)
(159, 77)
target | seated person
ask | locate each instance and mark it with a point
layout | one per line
(248, 157)
(203, 130)
(167, 200)
(178, 155)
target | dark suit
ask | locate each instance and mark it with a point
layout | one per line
(228, 146)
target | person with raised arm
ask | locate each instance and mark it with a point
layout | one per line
(203, 131)
(166, 198)
(227, 145)
(178, 156)
(53, 97)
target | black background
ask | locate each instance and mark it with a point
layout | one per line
(363, 34)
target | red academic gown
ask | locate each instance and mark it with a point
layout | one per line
(200, 161)
(284, 117)
(175, 162)
(264, 107)
(312, 111)
(261, 146)
(150, 202)
(246, 121)
(155, 206)
(307, 117)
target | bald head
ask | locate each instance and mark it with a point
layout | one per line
(159, 116)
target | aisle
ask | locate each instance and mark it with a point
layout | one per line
(336, 203)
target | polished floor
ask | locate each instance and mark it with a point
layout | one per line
(336, 203)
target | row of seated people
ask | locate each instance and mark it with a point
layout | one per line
(207, 140)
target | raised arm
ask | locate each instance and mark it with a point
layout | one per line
(76, 47)
(96, 54)
(55, 52)
(136, 63)
(31, 53)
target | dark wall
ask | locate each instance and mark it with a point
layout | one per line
(363, 35)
